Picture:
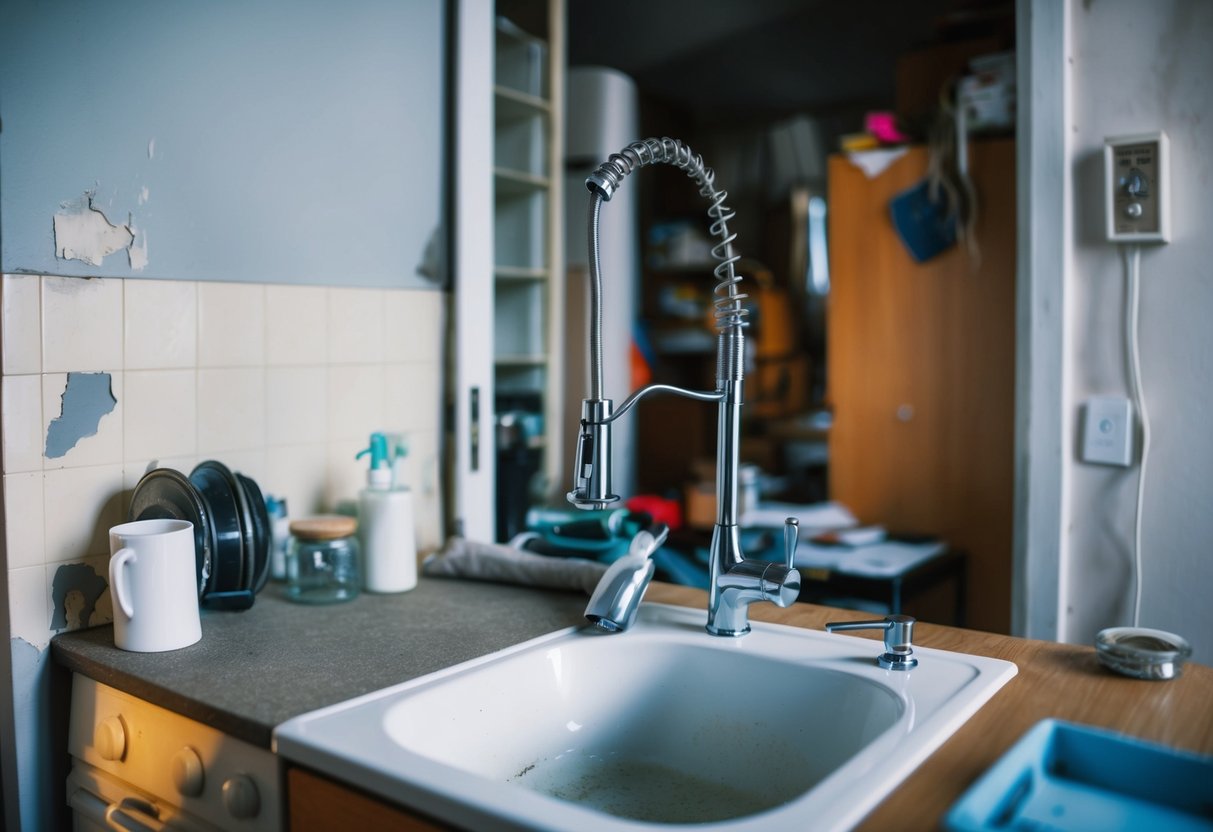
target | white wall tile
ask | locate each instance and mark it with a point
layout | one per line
(298, 473)
(296, 405)
(21, 413)
(412, 396)
(27, 605)
(81, 324)
(250, 463)
(414, 325)
(23, 519)
(160, 414)
(231, 409)
(355, 403)
(104, 446)
(290, 388)
(355, 326)
(231, 325)
(160, 323)
(296, 325)
(79, 507)
(346, 475)
(422, 475)
(398, 327)
(21, 324)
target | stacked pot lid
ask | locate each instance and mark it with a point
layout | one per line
(231, 527)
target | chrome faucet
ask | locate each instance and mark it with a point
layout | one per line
(616, 599)
(735, 582)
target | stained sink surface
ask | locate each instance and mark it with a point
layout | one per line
(661, 725)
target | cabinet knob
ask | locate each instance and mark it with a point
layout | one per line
(905, 412)
(240, 797)
(187, 772)
(109, 738)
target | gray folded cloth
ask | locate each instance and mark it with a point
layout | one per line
(464, 558)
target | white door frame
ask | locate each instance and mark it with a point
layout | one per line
(1042, 442)
(472, 267)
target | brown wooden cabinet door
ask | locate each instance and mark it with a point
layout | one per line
(318, 804)
(921, 372)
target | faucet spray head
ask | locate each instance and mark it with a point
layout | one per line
(592, 465)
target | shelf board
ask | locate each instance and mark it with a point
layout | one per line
(520, 360)
(519, 274)
(510, 182)
(510, 104)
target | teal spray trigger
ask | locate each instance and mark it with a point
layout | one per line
(379, 475)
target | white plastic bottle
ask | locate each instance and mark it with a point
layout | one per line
(385, 525)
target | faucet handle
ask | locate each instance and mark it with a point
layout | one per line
(898, 639)
(791, 536)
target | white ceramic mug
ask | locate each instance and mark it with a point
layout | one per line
(154, 585)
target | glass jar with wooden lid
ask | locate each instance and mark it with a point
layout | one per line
(323, 560)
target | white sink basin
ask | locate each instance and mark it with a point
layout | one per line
(785, 728)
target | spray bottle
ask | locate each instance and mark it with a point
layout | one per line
(385, 520)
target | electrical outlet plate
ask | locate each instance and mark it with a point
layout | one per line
(1137, 186)
(1106, 436)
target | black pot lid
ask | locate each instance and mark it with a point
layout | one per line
(218, 489)
(261, 531)
(166, 494)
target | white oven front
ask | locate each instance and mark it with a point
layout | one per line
(139, 767)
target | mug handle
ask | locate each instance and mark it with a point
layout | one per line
(120, 559)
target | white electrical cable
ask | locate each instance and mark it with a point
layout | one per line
(1132, 258)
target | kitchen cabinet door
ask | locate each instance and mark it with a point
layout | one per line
(921, 373)
(318, 804)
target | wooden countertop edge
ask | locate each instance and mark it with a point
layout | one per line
(1060, 681)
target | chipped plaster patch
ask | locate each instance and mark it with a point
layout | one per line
(86, 398)
(76, 591)
(136, 252)
(82, 232)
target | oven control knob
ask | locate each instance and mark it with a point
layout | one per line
(109, 738)
(187, 772)
(240, 797)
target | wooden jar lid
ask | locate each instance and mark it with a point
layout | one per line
(324, 527)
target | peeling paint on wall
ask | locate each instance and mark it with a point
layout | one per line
(86, 398)
(136, 252)
(75, 592)
(82, 232)
(32, 728)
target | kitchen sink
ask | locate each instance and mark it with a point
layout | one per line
(785, 728)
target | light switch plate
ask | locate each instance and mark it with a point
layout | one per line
(1137, 187)
(1107, 437)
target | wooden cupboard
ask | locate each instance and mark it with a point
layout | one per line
(318, 804)
(921, 370)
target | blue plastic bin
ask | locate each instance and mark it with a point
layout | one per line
(1065, 777)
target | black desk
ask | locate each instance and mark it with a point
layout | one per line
(819, 584)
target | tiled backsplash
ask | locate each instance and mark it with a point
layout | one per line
(282, 383)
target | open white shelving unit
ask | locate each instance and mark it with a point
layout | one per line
(528, 212)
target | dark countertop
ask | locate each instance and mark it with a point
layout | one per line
(256, 669)
(253, 670)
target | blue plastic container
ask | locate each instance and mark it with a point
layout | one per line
(1064, 777)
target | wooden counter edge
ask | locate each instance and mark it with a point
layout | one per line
(1061, 681)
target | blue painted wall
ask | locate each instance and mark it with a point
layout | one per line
(278, 141)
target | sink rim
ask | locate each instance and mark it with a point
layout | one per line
(455, 795)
